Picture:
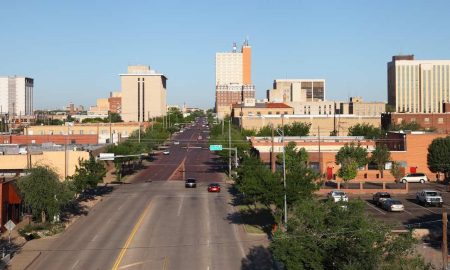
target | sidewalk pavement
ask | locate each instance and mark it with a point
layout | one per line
(30, 252)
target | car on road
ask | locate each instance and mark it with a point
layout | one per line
(429, 197)
(200, 137)
(379, 197)
(338, 195)
(392, 205)
(176, 143)
(214, 187)
(190, 183)
(414, 178)
(167, 152)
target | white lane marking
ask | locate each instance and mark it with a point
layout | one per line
(181, 205)
(207, 268)
(408, 212)
(93, 238)
(134, 264)
(427, 209)
(382, 212)
(75, 264)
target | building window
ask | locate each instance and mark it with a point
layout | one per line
(81, 132)
(278, 112)
(427, 120)
(413, 119)
(270, 112)
(258, 113)
(285, 112)
(440, 120)
(399, 120)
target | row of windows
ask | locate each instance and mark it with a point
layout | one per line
(81, 132)
(440, 120)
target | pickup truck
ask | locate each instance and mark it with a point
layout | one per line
(429, 197)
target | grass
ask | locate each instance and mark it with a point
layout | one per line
(38, 230)
(257, 221)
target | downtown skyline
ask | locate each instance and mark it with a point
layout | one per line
(75, 52)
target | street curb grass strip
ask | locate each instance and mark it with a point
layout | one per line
(131, 237)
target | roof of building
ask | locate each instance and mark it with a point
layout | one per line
(270, 105)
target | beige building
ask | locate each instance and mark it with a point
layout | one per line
(143, 94)
(106, 132)
(356, 106)
(101, 108)
(63, 162)
(250, 108)
(297, 90)
(418, 86)
(313, 107)
(326, 123)
(233, 79)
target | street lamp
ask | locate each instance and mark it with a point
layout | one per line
(284, 173)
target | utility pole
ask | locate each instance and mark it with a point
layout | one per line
(223, 123)
(320, 154)
(229, 146)
(139, 132)
(110, 130)
(284, 174)
(272, 157)
(444, 241)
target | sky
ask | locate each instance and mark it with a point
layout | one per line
(75, 50)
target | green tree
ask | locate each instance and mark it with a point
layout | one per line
(351, 157)
(324, 235)
(300, 178)
(87, 174)
(367, 130)
(43, 192)
(259, 184)
(348, 169)
(265, 131)
(380, 156)
(397, 171)
(297, 129)
(414, 126)
(438, 157)
(114, 117)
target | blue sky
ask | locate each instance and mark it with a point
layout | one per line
(75, 49)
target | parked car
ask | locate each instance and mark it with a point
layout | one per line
(167, 152)
(190, 183)
(176, 142)
(392, 205)
(414, 178)
(379, 197)
(214, 187)
(429, 197)
(338, 195)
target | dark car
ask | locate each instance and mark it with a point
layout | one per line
(190, 183)
(214, 187)
(379, 197)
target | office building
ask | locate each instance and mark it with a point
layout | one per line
(16, 95)
(297, 90)
(143, 94)
(357, 106)
(233, 79)
(418, 86)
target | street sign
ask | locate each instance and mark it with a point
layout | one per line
(106, 156)
(10, 225)
(215, 147)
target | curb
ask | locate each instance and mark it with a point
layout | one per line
(33, 260)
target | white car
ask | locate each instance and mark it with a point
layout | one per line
(414, 178)
(176, 143)
(167, 152)
(338, 195)
(392, 205)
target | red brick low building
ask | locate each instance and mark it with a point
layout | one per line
(57, 139)
(439, 122)
(10, 205)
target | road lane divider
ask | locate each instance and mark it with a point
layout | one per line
(131, 236)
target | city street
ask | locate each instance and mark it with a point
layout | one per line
(157, 224)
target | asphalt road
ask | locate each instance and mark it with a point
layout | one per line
(156, 224)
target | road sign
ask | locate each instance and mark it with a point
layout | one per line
(106, 156)
(10, 225)
(215, 147)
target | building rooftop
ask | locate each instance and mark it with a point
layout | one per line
(269, 105)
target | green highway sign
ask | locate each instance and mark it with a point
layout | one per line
(215, 147)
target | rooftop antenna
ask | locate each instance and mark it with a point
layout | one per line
(246, 41)
(234, 47)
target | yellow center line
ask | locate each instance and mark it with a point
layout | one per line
(131, 236)
(165, 263)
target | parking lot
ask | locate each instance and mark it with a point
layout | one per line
(415, 215)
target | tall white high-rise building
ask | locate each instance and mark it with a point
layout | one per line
(418, 86)
(16, 95)
(233, 78)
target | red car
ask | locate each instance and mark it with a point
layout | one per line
(214, 187)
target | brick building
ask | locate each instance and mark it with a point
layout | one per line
(56, 139)
(409, 149)
(10, 203)
(439, 122)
